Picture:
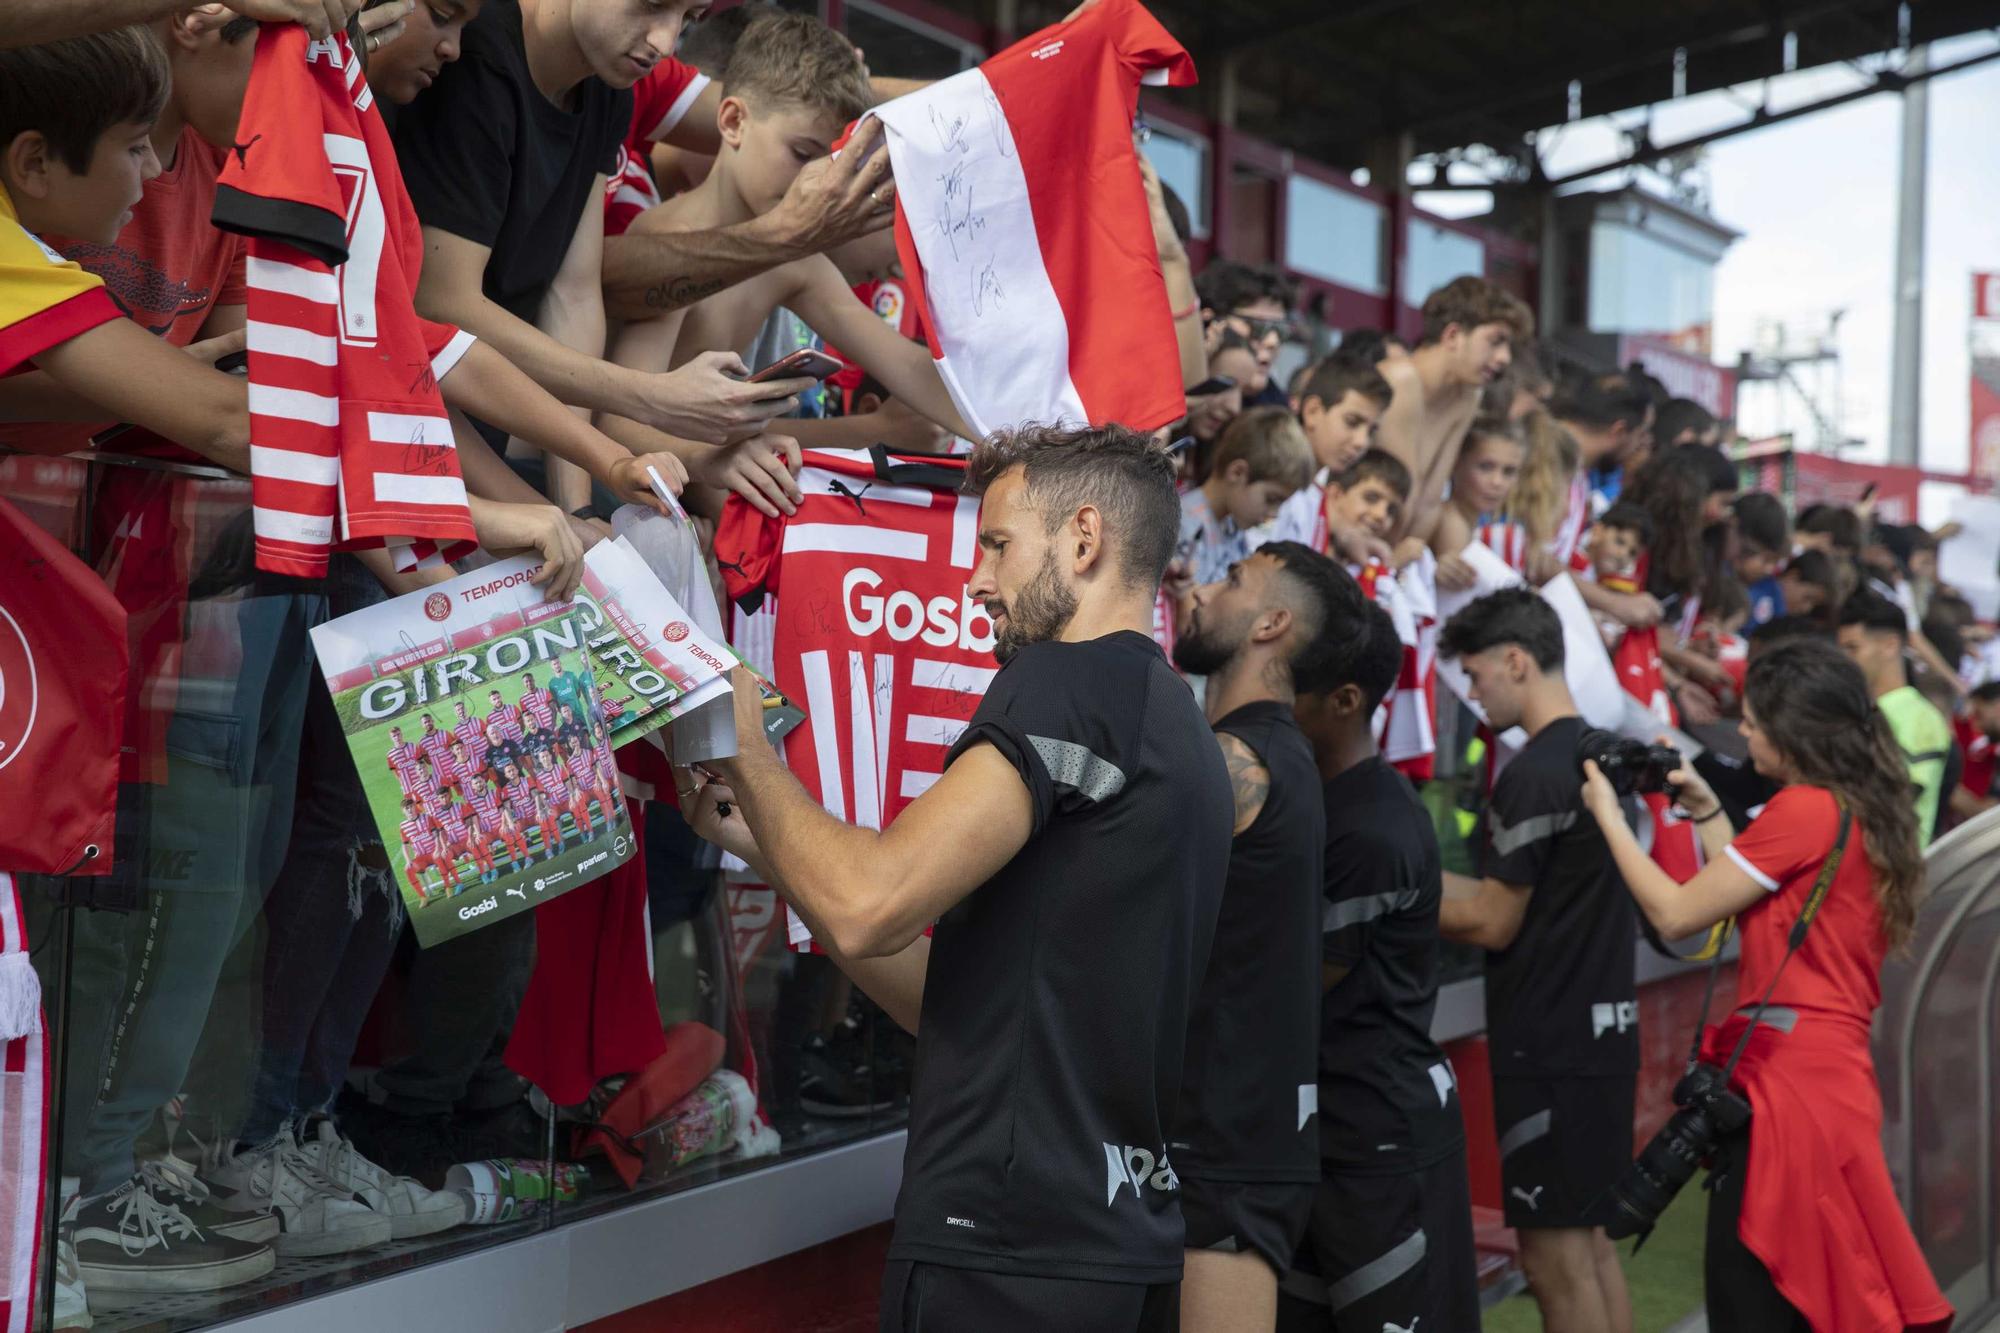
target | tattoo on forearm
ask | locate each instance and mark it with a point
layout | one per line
(1249, 780)
(675, 293)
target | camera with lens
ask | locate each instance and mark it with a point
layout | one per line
(1633, 767)
(1708, 1111)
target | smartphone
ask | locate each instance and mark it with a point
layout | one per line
(236, 363)
(806, 361)
(1215, 384)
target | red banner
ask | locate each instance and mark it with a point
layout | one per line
(1986, 416)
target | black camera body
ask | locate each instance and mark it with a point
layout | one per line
(1708, 1111)
(1633, 767)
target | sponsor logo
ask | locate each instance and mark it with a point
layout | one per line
(19, 690)
(1047, 51)
(1533, 1197)
(889, 304)
(965, 1222)
(588, 862)
(477, 909)
(676, 632)
(939, 622)
(516, 893)
(1620, 1017)
(437, 606)
(1138, 1168)
(1388, 1327)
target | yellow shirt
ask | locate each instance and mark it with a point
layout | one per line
(44, 299)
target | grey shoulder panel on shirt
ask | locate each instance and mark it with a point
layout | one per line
(1074, 766)
(1510, 838)
(1356, 911)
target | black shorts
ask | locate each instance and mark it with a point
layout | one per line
(1247, 1217)
(1386, 1251)
(1563, 1143)
(931, 1298)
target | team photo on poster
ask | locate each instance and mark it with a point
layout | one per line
(474, 719)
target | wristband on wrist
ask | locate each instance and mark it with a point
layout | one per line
(1713, 814)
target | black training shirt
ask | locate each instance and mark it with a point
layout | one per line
(1561, 999)
(487, 157)
(1056, 1005)
(1388, 1098)
(1249, 1087)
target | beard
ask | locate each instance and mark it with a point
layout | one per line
(1202, 650)
(1040, 612)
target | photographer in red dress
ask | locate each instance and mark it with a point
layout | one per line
(1804, 1229)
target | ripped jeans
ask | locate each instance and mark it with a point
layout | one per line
(331, 921)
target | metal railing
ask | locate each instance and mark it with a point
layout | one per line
(1935, 1060)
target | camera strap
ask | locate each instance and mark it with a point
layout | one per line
(1820, 887)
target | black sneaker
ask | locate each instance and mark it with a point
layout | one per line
(129, 1240)
(422, 1147)
(833, 1087)
(174, 1182)
(513, 1130)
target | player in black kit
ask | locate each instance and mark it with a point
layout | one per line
(1072, 857)
(1390, 1245)
(1562, 1021)
(1244, 1140)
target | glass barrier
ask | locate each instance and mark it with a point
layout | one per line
(263, 1090)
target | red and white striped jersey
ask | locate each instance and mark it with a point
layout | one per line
(1406, 723)
(421, 832)
(1576, 520)
(660, 101)
(350, 444)
(507, 717)
(1506, 539)
(403, 758)
(874, 636)
(472, 733)
(451, 819)
(437, 744)
(520, 798)
(421, 781)
(554, 783)
(540, 704)
(484, 802)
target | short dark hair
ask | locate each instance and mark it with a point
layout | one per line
(1512, 616)
(72, 92)
(1128, 477)
(1226, 286)
(1602, 401)
(1761, 519)
(1365, 347)
(1875, 613)
(1333, 379)
(1378, 660)
(1842, 526)
(1384, 467)
(1816, 568)
(1989, 693)
(1632, 517)
(1488, 427)
(1682, 414)
(1470, 302)
(708, 42)
(1336, 607)
(1779, 629)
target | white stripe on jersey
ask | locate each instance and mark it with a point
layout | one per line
(928, 674)
(885, 698)
(680, 108)
(299, 344)
(271, 275)
(401, 488)
(285, 526)
(294, 405)
(451, 354)
(291, 465)
(916, 784)
(409, 428)
(856, 539)
(861, 716)
(920, 729)
(819, 704)
(965, 533)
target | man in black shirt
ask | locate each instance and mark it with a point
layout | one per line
(506, 158)
(1243, 1142)
(1391, 1233)
(1072, 857)
(1562, 1019)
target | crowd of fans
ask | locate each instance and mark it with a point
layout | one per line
(630, 236)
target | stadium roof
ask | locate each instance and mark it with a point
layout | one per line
(1331, 78)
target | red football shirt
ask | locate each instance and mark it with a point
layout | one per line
(659, 103)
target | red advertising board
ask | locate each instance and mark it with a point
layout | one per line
(1685, 374)
(1986, 296)
(1986, 418)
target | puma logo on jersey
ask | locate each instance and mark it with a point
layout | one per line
(1619, 1017)
(1135, 1167)
(242, 151)
(1533, 1198)
(1398, 1328)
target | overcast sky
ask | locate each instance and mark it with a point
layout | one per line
(1816, 199)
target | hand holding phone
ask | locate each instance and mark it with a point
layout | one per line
(807, 362)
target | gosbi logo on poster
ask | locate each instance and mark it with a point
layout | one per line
(19, 690)
(437, 606)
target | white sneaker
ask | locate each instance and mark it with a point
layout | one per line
(72, 1309)
(315, 1216)
(411, 1209)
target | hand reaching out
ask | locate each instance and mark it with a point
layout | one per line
(320, 16)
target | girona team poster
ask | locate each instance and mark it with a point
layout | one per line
(475, 723)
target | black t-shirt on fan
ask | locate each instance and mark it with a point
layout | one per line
(1388, 1097)
(1057, 1000)
(1562, 998)
(1249, 1087)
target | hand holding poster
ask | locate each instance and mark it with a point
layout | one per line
(473, 715)
(653, 662)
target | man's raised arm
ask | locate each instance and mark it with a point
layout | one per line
(872, 894)
(833, 201)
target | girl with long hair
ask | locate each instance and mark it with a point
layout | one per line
(1543, 501)
(1804, 1230)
